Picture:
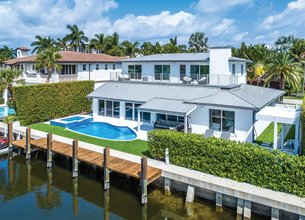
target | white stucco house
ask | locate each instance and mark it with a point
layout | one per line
(75, 66)
(216, 67)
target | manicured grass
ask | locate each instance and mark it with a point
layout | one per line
(267, 135)
(137, 147)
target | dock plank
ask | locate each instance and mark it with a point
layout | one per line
(116, 164)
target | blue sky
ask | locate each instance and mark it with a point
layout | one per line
(226, 22)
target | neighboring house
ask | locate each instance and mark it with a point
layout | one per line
(217, 67)
(75, 66)
(192, 108)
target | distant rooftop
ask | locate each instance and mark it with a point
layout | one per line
(71, 57)
(23, 48)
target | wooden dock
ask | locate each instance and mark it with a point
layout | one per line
(140, 171)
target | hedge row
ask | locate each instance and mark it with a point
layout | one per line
(38, 103)
(242, 162)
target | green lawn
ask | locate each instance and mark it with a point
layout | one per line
(267, 135)
(137, 147)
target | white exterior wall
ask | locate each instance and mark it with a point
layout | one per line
(199, 120)
(99, 75)
(219, 65)
(241, 78)
(148, 69)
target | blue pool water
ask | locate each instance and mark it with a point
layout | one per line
(3, 113)
(105, 131)
(74, 118)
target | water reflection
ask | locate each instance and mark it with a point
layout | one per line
(30, 191)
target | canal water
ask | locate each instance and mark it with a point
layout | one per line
(31, 191)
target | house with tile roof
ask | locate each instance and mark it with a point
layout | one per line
(75, 66)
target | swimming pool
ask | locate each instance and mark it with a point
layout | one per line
(74, 118)
(5, 111)
(105, 131)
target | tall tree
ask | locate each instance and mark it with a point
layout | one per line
(49, 59)
(298, 52)
(98, 43)
(285, 69)
(198, 42)
(6, 53)
(62, 43)
(8, 76)
(147, 48)
(42, 43)
(130, 49)
(284, 43)
(112, 45)
(76, 37)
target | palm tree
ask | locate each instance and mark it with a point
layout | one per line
(49, 59)
(261, 57)
(285, 69)
(62, 43)
(42, 43)
(130, 49)
(298, 52)
(198, 42)
(147, 48)
(284, 43)
(76, 37)
(7, 77)
(112, 45)
(98, 43)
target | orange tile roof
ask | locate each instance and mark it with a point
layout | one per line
(71, 57)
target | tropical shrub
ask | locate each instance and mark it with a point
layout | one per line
(38, 103)
(243, 162)
(1, 101)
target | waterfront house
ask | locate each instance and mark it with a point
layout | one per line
(75, 66)
(216, 67)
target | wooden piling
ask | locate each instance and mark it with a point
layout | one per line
(75, 196)
(27, 144)
(49, 152)
(74, 159)
(106, 170)
(144, 180)
(10, 136)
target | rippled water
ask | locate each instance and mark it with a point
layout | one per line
(30, 191)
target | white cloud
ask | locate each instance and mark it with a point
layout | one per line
(240, 37)
(214, 6)
(292, 16)
(226, 26)
(159, 25)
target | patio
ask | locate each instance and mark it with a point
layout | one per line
(287, 116)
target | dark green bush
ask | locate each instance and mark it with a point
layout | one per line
(1, 101)
(38, 103)
(242, 162)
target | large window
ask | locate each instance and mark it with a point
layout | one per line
(135, 71)
(97, 66)
(233, 69)
(182, 71)
(128, 110)
(199, 71)
(145, 117)
(174, 118)
(84, 67)
(222, 120)
(101, 108)
(162, 72)
(109, 108)
(68, 69)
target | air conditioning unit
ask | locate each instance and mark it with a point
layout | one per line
(146, 78)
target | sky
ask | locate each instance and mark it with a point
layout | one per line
(225, 22)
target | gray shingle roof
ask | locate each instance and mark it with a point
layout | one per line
(243, 96)
(167, 105)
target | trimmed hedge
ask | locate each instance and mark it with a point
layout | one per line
(38, 103)
(243, 162)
